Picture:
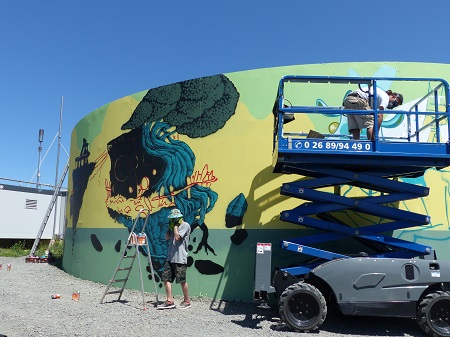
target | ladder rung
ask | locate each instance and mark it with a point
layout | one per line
(129, 256)
(120, 280)
(128, 268)
(114, 292)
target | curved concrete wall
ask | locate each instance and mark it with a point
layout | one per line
(205, 146)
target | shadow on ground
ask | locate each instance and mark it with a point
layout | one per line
(336, 323)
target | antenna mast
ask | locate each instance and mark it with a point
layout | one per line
(57, 162)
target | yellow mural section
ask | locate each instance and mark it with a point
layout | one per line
(225, 163)
(237, 158)
(99, 127)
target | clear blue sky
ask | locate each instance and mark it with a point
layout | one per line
(94, 52)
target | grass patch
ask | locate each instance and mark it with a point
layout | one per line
(22, 248)
(16, 250)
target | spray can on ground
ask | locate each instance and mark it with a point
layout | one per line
(76, 296)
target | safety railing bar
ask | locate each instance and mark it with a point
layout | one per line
(408, 125)
(305, 134)
(436, 109)
(408, 138)
(354, 79)
(314, 107)
(434, 91)
(334, 135)
(388, 138)
(325, 79)
(338, 110)
(428, 125)
(366, 112)
(297, 109)
(417, 123)
(438, 114)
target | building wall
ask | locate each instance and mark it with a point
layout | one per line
(205, 146)
(23, 209)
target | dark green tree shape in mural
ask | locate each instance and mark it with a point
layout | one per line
(197, 108)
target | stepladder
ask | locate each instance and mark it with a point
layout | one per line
(137, 240)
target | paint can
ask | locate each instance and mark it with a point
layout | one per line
(76, 296)
(142, 239)
(133, 239)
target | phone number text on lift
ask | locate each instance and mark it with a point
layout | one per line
(330, 145)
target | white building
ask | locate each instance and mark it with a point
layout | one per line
(23, 209)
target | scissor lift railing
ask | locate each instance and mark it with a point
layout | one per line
(333, 160)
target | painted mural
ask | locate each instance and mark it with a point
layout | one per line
(205, 146)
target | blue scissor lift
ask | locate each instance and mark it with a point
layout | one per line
(392, 277)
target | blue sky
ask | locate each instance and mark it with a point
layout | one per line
(94, 52)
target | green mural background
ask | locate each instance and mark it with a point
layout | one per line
(205, 146)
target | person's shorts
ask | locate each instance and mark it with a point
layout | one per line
(174, 271)
(358, 121)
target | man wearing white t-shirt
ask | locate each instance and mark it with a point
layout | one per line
(359, 100)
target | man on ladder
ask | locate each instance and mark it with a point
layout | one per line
(176, 264)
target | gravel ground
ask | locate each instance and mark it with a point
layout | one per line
(26, 309)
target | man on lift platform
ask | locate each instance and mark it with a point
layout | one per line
(359, 100)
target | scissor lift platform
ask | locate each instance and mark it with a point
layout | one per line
(412, 152)
(396, 159)
(324, 159)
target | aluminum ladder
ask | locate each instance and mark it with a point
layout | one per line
(49, 210)
(136, 241)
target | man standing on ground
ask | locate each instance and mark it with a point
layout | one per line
(176, 264)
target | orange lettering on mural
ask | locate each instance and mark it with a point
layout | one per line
(156, 201)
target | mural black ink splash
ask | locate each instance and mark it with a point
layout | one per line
(96, 243)
(239, 236)
(207, 267)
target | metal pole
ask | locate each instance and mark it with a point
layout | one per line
(40, 139)
(57, 164)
